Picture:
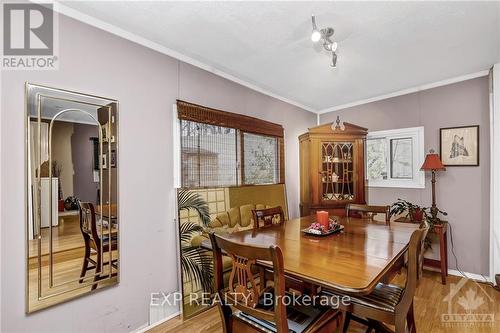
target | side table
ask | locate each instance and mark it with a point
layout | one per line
(441, 230)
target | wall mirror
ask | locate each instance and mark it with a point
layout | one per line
(71, 195)
(227, 210)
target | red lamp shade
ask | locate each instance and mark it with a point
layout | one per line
(432, 162)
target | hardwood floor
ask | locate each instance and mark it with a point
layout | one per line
(480, 301)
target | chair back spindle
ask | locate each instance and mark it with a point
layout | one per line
(414, 251)
(88, 223)
(268, 217)
(243, 292)
(368, 211)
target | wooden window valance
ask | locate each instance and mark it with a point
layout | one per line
(203, 114)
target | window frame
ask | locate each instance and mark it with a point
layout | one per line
(418, 154)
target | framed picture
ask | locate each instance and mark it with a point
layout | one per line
(105, 132)
(113, 158)
(104, 161)
(459, 146)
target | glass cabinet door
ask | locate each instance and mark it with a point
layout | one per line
(337, 171)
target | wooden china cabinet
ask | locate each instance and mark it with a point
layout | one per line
(332, 168)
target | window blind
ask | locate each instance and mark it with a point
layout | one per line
(220, 149)
(209, 155)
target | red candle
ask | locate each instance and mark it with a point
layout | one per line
(322, 218)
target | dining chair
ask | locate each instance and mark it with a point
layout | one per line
(368, 211)
(242, 304)
(388, 304)
(268, 217)
(92, 240)
(421, 251)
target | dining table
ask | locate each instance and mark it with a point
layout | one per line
(109, 211)
(351, 261)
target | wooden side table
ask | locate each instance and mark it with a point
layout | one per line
(441, 230)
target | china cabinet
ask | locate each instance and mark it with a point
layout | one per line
(332, 170)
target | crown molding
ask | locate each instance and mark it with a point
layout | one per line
(407, 91)
(90, 20)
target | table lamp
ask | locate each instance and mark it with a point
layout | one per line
(433, 163)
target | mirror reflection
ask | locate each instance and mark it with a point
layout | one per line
(72, 198)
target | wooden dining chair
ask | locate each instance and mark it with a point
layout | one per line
(267, 217)
(92, 240)
(388, 304)
(368, 211)
(421, 251)
(242, 304)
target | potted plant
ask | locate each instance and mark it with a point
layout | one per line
(431, 216)
(196, 263)
(413, 212)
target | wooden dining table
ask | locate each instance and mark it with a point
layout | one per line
(352, 261)
(108, 211)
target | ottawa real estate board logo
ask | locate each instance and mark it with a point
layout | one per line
(469, 306)
(29, 36)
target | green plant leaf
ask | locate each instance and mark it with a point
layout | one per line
(188, 229)
(197, 266)
(196, 263)
(187, 200)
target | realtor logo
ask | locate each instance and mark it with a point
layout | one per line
(28, 36)
(471, 307)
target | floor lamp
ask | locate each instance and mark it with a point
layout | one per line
(433, 163)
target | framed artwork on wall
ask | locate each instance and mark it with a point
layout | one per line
(459, 146)
(113, 158)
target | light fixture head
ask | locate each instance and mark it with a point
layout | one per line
(325, 35)
(315, 36)
(334, 60)
(330, 46)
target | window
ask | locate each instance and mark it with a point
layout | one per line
(402, 158)
(260, 159)
(394, 157)
(221, 149)
(208, 155)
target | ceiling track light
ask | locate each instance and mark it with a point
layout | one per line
(324, 35)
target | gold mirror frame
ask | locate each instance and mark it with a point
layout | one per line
(107, 133)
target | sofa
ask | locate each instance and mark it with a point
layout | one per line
(236, 219)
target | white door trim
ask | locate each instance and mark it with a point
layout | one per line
(495, 175)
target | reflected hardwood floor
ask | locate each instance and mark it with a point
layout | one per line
(66, 236)
(430, 306)
(67, 268)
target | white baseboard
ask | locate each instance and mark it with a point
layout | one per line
(472, 276)
(147, 327)
(141, 328)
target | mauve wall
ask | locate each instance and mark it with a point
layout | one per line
(147, 84)
(82, 150)
(463, 192)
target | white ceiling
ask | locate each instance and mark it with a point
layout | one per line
(383, 46)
